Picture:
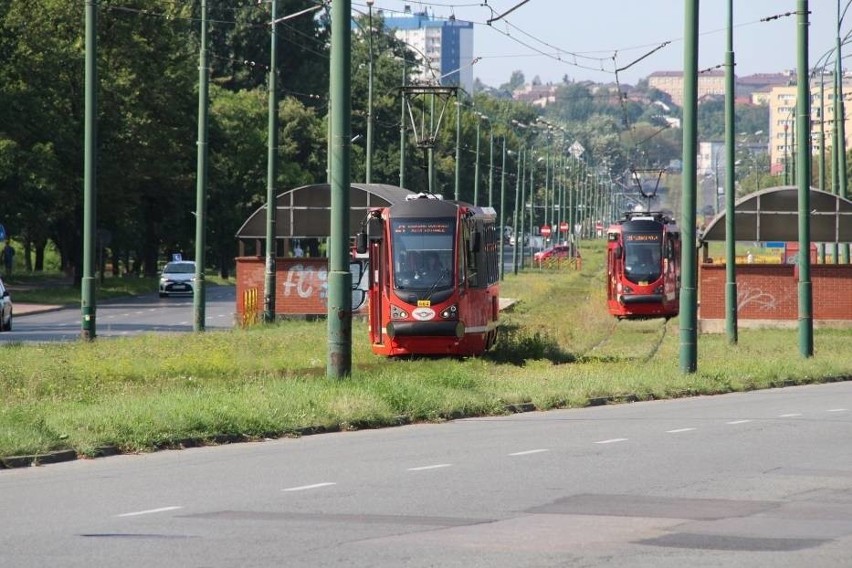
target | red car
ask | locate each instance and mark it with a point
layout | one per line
(555, 252)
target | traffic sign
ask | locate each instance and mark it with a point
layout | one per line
(545, 231)
(563, 226)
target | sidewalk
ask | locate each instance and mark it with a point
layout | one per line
(20, 309)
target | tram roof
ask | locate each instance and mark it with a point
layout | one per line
(772, 215)
(305, 212)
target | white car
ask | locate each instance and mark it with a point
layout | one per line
(5, 308)
(178, 277)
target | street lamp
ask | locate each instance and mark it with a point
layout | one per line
(369, 165)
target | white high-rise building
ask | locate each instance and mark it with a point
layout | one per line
(446, 45)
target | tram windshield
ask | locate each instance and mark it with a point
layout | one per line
(423, 253)
(642, 254)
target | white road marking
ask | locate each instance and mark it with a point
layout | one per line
(679, 430)
(528, 452)
(837, 410)
(791, 415)
(738, 422)
(150, 511)
(426, 467)
(139, 313)
(612, 441)
(306, 487)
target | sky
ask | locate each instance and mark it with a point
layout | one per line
(589, 39)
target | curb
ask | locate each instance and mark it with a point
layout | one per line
(58, 456)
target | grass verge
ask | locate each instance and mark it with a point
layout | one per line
(559, 348)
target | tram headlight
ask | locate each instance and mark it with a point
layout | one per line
(398, 313)
(450, 313)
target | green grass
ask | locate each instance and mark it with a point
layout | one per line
(558, 348)
(56, 288)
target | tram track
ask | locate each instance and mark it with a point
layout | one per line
(613, 344)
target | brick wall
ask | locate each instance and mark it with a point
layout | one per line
(771, 292)
(300, 287)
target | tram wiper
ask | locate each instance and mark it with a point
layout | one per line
(444, 272)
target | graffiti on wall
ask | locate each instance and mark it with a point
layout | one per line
(757, 300)
(307, 282)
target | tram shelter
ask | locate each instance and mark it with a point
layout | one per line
(302, 224)
(767, 289)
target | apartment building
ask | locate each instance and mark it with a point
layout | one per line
(782, 119)
(445, 46)
(710, 83)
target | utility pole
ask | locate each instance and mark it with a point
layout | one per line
(476, 165)
(689, 272)
(199, 296)
(503, 210)
(271, 173)
(730, 214)
(90, 142)
(339, 363)
(369, 168)
(458, 148)
(803, 171)
(402, 128)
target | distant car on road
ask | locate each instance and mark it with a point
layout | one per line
(5, 308)
(178, 277)
(526, 240)
(557, 251)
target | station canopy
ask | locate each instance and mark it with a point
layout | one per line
(773, 215)
(305, 212)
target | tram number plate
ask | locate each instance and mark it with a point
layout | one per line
(424, 303)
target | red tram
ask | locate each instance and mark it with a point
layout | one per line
(434, 277)
(643, 266)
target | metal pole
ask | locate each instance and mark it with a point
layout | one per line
(271, 175)
(822, 130)
(803, 171)
(520, 242)
(88, 301)
(518, 237)
(688, 298)
(339, 362)
(490, 164)
(402, 128)
(369, 165)
(476, 165)
(430, 152)
(458, 147)
(200, 294)
(730, 214)
(840, 121)
(503, 210)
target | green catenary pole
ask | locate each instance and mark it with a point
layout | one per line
(369, 164)
(503, 209)
(201, 177)
(730, 213)
(271, 174)
(803, 171)
(689, 272)
(840, 121)
(87, 289)
(458, 147)
(339, 362)
(402, 129)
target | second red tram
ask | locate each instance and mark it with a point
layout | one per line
(643, 266)
(434, 277)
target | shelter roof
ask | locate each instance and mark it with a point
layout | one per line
(305, 211)
(772, 215)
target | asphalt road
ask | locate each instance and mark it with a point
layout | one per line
(758, 479)
(129, 316)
